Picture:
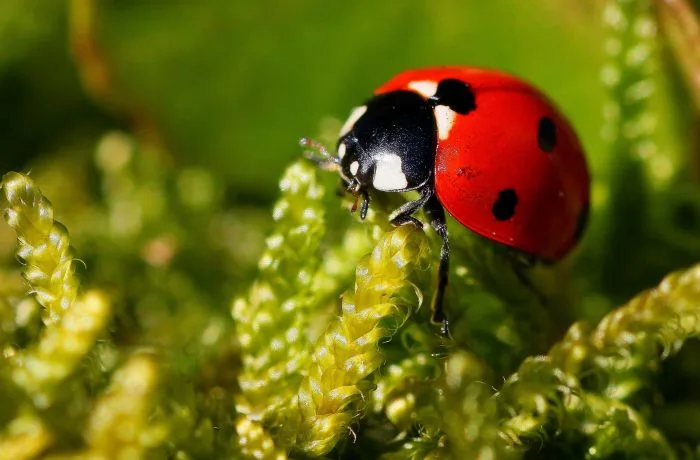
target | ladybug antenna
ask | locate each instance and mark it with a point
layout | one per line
(319, 154)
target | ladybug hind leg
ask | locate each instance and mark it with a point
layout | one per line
(436, 215)
(521, 264)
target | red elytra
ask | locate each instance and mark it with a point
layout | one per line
(495, 148)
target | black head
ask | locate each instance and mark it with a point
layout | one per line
(390, 143)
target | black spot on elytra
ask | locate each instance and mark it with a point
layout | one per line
(546, 134)
(582, 222)
(504, 207)
(455, 94)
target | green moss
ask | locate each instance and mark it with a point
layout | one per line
(368, 375)
(151, 332)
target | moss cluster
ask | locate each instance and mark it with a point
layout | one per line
(328, 352)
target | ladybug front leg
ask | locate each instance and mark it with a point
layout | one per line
(436, 215)
(364, 207)
(403, 214)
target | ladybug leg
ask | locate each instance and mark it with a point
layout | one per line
(521, 258)
(520, 265)
(402, 215)
(365, 204)
(521, 262)
(358, 192)
(436, 215)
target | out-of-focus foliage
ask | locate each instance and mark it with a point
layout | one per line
(255, 69)
(218, 77)
(163, 307)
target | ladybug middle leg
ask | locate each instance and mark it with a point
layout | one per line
(436, 215)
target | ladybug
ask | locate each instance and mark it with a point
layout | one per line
(486, 146)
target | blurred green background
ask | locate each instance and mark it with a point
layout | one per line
(231, 85)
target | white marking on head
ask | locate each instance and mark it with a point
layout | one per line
(341, 150)
(355, 115)
(445, 119)
(354, 166)
(388, 174)
(426, 88)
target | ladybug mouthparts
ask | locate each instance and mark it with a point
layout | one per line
(354, 187)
